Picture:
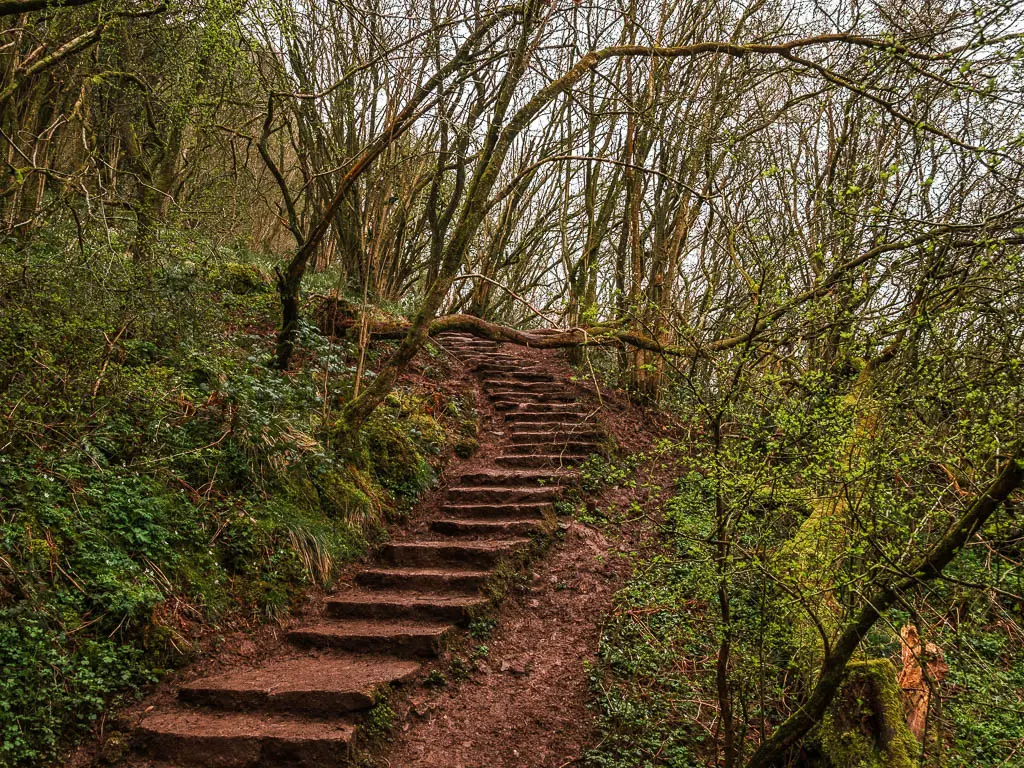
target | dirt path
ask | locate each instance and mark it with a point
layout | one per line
(525, 706)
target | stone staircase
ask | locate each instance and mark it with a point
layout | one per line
(303, 709)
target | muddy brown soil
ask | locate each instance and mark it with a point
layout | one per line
(526, 704)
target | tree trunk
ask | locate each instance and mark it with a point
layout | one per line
(773, 751)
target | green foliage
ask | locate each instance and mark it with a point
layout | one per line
(435, 679)
(986, 677)
(51, 682)
(482, 627)
(379, 720)
(240, 278)
(648, 687)
(158, 477)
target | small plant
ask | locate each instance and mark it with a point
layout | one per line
(380, 718)
(435, 679)
(459, 669)
(482, 628)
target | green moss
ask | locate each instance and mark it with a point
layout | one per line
(350, 495)
(239, 278)
(394, 459)
(396, 443)
(808, 563)
(466, 447)
(379, 720)
(865, 726)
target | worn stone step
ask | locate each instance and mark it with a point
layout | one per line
(485, 527)
(365, 603)
(551, 422)
(244, 740)
(519, 378)
(503, 362)
(507, 403)
(521, 385)
(326, 686)
(520, 417)
(519, 397)
(539, 460)
(424, 578)
(494, 356)
(479, 555)
(541, 413)
(515, 478)
(534, 512)
(412, 639)
(561, 447)
(483, 494)
(564, 408)
(456, 336)
(510, 400)
(512, 370)
(581, 436)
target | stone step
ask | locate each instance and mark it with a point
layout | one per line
(515, 376)
(515, 478)
(364, 603)
(520, 417)
(581, 436)
(534, 512)
(431, 554)
(325, 686)
(423, 578)
(520, 385)
(485, 527)
(561, 447)
(562, 423)
(519, 378)
(539, 460)
(410, 639)
(456, 336)
(500, 364)
(495, 356)
(507, 403)
(244, 740)
(483, 494)
(517, 397)
(564, 408)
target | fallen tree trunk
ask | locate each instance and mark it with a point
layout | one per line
(543, 338)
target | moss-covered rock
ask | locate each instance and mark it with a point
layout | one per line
(236, 277)
(466, 447)
(864, 727)
(394, 458)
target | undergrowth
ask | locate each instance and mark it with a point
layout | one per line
(158, 478)
(654, 686)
